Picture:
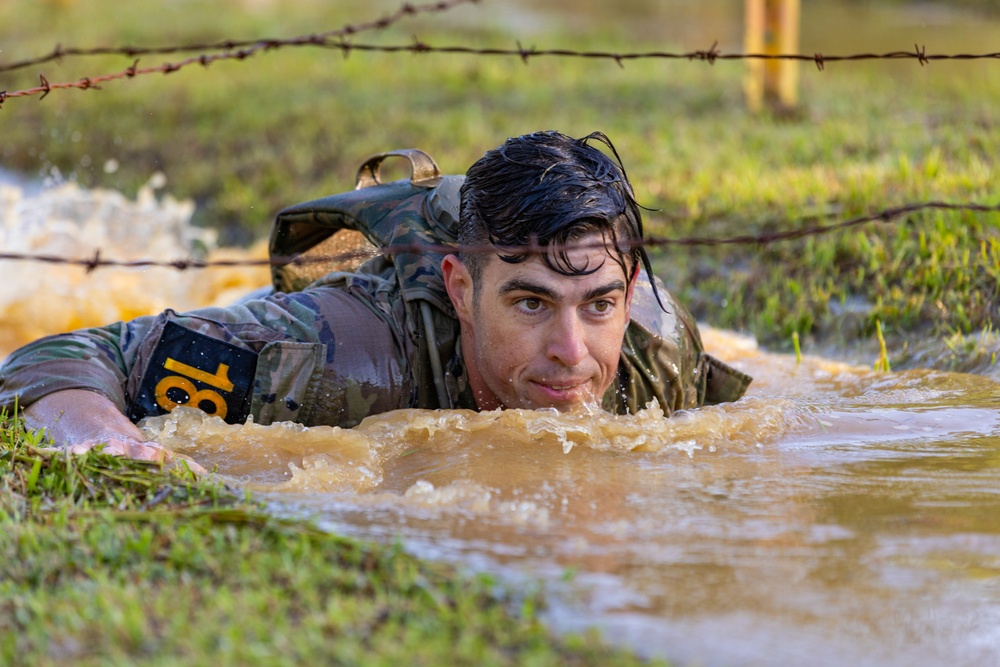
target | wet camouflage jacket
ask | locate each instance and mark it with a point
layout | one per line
(349, 345)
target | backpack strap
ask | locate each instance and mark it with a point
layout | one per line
(434, 355)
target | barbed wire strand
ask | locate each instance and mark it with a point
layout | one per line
(710, 55)
(525, 54)
(407, 9)
(763, 239)
(248, 49)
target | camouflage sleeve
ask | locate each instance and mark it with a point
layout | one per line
(723, 383)
(331, 354)
(95, 359)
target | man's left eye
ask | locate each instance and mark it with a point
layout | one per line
(601, 306)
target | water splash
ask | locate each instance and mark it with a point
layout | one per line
(70, 221)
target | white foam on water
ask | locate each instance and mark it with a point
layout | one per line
(67, 221)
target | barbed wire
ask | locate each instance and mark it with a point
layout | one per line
(887, 215)
(243, 50)
(405, 10)
(417, 46)
(710, 56)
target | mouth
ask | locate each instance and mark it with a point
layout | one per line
(564, 392)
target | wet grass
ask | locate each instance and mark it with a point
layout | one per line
(112, 561)
(244, 139)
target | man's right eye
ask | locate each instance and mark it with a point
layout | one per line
(530, 304)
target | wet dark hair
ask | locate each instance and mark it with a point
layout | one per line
(546, 190)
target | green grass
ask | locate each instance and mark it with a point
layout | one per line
(111, 561)
(244, 139)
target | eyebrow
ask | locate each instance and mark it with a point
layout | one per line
(519, 285)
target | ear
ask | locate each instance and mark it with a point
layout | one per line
(458, 282)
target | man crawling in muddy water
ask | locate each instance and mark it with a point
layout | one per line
(558, 313)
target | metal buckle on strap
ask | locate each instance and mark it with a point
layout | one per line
(424, 171)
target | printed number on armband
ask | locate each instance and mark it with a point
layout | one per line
(179, 389)
(191, 369)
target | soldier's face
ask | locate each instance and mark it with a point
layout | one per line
(537, 339)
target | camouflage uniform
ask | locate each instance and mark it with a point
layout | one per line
(349, 345)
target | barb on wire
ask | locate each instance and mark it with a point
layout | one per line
(45, 86)
(406, 9)
(886, 215)
(708, 56)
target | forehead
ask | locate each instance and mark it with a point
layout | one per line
(600, 261)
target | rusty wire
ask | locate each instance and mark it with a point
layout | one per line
(405, 10)
(887, 215)
(339, 40)
(230, 50)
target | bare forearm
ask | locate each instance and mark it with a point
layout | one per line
(78, 419)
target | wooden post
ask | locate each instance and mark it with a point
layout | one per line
(772, 27)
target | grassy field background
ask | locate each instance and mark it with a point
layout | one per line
(245, 138)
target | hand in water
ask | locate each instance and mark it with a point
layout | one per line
(82, 419)
(133, 449)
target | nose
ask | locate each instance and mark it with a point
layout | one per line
(567, 343)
